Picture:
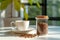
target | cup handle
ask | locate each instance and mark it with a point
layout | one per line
(12, 23)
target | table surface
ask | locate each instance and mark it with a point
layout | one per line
(53, 34)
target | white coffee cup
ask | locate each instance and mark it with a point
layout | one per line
(21, 25)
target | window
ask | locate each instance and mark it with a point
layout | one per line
(53, 8)
(33, 11)
(53, 11)
(48, 7)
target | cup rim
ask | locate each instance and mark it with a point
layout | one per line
(25, 20)
(19, 21)
(22, 21)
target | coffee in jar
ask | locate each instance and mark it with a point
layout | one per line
(42, 25)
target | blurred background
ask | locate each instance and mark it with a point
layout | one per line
(47, 7)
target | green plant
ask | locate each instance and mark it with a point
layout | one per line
(17, 5)
(36, 1)
(5, 3)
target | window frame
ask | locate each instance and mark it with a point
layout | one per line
(52, 18)
(44, 11)
(44, 7)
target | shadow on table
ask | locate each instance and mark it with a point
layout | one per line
(53, 38)
(45, 38)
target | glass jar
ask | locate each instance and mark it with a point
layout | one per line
(42, 25)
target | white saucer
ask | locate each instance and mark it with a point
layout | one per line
(6, 29)
(25, 31)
